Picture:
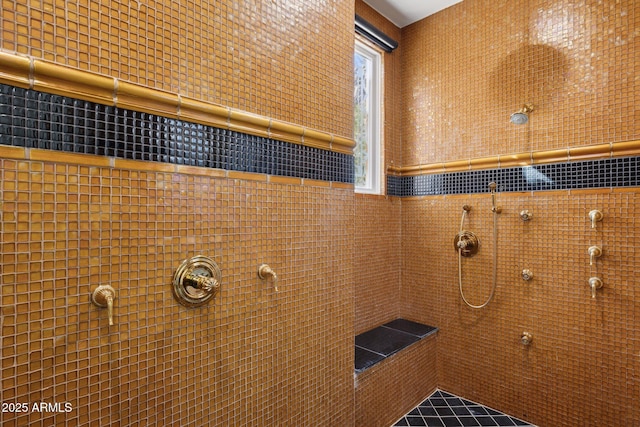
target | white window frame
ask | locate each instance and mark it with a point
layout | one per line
(374, 128)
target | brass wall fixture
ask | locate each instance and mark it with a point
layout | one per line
(467, 243)
(492, 189)
(595, 283)
(525, 215)
(595, 216)
(103, 296)
(527, 275)
(196, 281)
(594, 252)
(521, 116)
(265, 272)
(526, 338)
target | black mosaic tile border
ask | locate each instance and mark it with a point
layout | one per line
(33, 119)
(603, 173)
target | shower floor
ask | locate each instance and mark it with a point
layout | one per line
(443, 409)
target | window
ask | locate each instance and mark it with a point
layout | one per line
(367, 129)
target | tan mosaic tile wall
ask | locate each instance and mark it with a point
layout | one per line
(378, 227)
(267, 57)
(466, 69)
(390, 389)
(576, 61)
(581, 368)
(377, 261)
(250, 357)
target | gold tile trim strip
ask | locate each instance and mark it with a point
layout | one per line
(629, 148)
(48, 77)
(246, 176)
(512, 160)
(37, 154)
(286, 132)
(587, 152)
(204, 113)
(63, 157)
(457, 166)
(342, 145)
(484, 163)
(249, 123)
(8, 152)
(285, 180)
(591, 152)
(138, 98)
(63, 81)
(15, 70)
(551, 156)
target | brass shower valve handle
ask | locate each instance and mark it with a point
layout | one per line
(265, 272)
(595, 216)
(103, 296)
(467, 243)
(595, 283)
(196, 281)
(202, 282)
(594, 252)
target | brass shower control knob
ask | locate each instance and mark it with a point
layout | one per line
(196, 281)
(103, 296)
(595, 216)
(467, 243)
(594, 252)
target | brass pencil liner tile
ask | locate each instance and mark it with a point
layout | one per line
(484, 163)
(151, 101)
(513, 160)
(286, 132)
(316, 139)
(338, 143)
(249, 176)
(15, 70)
(54, 78)
(628, 148)
(9, 152)
(589, 152)
(456, 166)
(201, 171)
(204, 113)
(74, 158)
(144, 165)
(551, 156)
(241, 121)
(285, 180)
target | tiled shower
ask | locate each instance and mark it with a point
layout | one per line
(137, 135)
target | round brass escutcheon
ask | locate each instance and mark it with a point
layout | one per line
(467, 243)
(196, 281)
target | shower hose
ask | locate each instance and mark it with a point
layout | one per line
(495, 260)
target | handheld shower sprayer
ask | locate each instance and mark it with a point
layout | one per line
(466, 244)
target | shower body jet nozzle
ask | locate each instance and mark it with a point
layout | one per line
(521, 116)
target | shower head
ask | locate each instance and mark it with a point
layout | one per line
(521, 116)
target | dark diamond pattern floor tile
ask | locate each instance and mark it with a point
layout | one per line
(444, 409)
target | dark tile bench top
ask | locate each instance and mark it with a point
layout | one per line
(379, 343)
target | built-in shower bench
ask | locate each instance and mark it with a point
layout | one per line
(379, 343)
(395, 369)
